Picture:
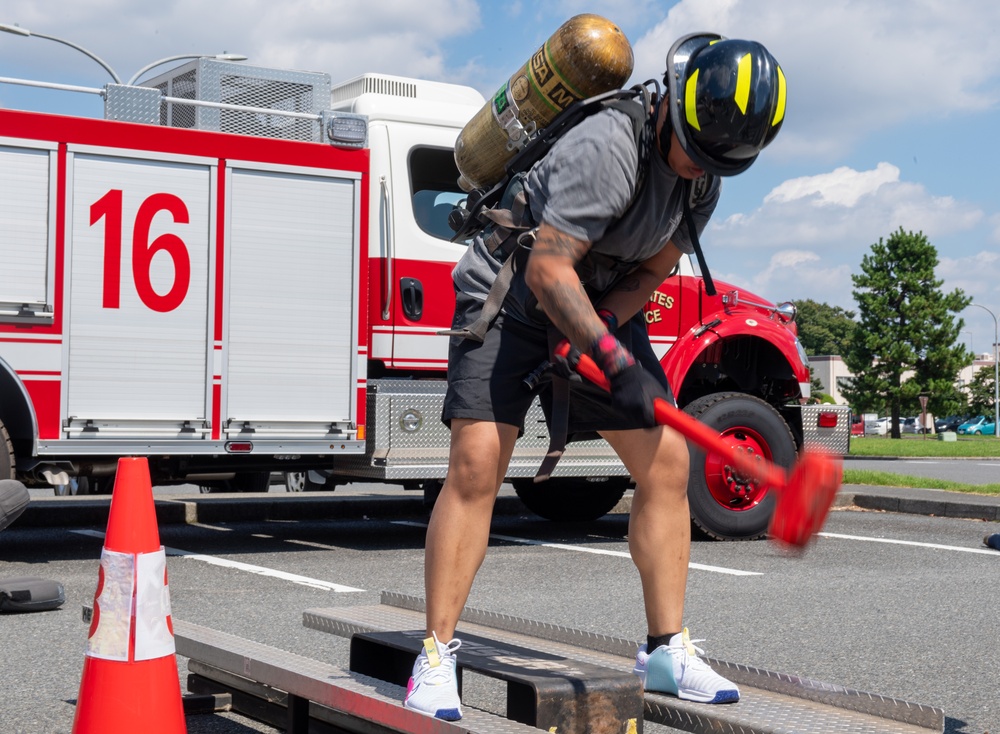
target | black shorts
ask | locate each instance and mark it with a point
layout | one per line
(486, 380)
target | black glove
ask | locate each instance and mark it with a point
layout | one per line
(632, 388)
(633, 391)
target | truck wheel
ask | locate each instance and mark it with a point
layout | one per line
(6, 454)
(571, 498)
(725, 505)
(308, 481)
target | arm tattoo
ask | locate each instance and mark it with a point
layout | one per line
(556, 244)
(561, 295)
(570, 310)
(628, 284)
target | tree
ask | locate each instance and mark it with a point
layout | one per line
(907, 343)
(824, 329)
(981, 393)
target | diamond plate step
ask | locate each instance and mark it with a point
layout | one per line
(771, 703)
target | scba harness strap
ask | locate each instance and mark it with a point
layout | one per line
(508, 227)
(511, 229)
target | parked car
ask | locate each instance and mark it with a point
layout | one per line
(911, 425)
(951, 423)
(877, 427)
(973, 427)
(989, 428)
(857, 426)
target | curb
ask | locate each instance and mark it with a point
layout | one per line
(966, 508)
(74, 511)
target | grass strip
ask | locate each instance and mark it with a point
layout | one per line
(887, 479)
(964, 447)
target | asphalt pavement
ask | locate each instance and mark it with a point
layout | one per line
(866, 598)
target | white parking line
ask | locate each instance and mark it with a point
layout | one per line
(595, 551)
(249, 568)
(962, 549)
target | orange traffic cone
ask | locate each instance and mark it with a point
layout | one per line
(130, 682)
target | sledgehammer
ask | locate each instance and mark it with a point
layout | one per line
(805, 492)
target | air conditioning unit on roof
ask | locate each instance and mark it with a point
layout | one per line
(237, 84)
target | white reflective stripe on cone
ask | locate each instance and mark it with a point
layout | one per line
(153, 638)
(112, 624)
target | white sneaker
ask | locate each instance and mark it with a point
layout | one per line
(433, 687)
(676, 669)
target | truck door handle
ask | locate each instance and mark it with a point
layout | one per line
(388, 234)
(412, 296)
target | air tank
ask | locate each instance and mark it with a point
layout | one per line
(587, 55)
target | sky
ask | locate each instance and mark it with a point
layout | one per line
(892, 117)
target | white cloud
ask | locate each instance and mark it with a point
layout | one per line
(794, 274)
(844, 210)
(843, 186)
(854, 67)
(818, 228)
(343, 38)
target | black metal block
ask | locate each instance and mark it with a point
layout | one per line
(543, 690)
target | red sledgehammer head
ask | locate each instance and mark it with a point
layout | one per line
(805, 500)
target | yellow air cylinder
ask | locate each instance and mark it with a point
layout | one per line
(587, 55)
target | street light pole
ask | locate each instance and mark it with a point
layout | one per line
(996, 371)
(220, 57)
(19, 31)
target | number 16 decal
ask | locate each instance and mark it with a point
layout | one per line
(109, 208)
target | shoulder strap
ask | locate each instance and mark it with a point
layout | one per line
(689, 193)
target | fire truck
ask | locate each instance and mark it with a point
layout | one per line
(243, 271)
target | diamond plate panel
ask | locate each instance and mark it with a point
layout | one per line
(835, 440)
(132, 104)
(392, 452)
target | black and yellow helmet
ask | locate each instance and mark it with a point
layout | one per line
(727, 100)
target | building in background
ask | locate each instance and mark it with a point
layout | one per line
(830, 370)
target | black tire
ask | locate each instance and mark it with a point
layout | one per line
(724, 505)
(571, 499)
(103, 484)
(431, 489)
(251, 481)
(6, 454)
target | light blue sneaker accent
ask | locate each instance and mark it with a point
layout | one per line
(676, 669)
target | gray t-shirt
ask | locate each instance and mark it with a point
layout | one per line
(583, 187)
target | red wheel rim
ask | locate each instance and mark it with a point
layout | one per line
(732, 490)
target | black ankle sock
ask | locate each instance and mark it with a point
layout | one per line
(654, 642)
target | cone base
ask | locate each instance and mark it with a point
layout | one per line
(124, 698)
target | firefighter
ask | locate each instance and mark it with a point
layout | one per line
(600, 249)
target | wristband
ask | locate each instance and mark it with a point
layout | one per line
(609, 319)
